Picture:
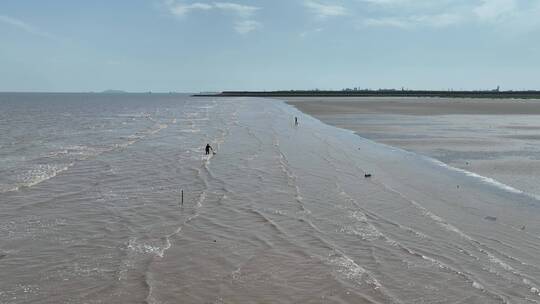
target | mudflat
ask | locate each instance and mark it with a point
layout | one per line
(414, 106)
(497, 138)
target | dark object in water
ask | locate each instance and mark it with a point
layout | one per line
(490, 218)
(522, 227)
(367, 175)
(2, 256)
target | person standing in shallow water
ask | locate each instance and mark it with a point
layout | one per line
(296, 121)
(208, 149)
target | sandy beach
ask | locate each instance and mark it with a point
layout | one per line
(494, 138)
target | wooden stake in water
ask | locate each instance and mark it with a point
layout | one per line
(182, 197)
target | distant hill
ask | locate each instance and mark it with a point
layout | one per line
(114, 92)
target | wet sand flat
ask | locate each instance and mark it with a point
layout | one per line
(494, 138)
(414, 106)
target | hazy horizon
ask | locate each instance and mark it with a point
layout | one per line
(200, 45)
(120, 91)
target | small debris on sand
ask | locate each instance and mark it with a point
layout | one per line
(490, 218)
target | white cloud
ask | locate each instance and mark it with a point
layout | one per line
(492, 10)
(246, 26)
(307, 33)
(26, 27)
(325, 10)
(242, 13)
(386, 22)
(529, 19)
(509, 15)
(437, 21)
(180, 9)
(517, 15)
(386, 1)
(239, 9)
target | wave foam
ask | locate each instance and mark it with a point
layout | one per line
(40, 174)
(351, 270)
(148, 248)
(487, 180)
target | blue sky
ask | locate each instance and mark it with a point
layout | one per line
(191, 46)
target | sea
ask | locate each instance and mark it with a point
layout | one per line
(110, 198)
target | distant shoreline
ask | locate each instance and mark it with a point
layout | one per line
(379, 93)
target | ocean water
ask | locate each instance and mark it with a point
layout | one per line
(91, 211)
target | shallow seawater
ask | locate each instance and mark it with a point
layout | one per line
(91, 212)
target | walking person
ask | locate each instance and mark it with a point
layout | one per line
(296, 121)
(208, 149)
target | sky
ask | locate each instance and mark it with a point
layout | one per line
(199, 45)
